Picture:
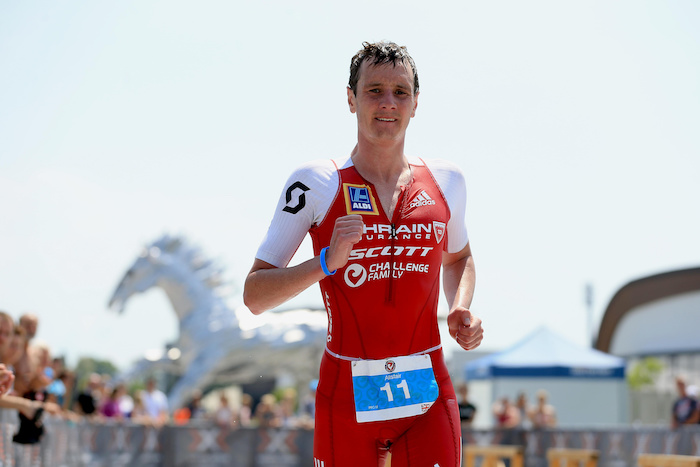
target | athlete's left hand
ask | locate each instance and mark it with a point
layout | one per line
(465, 328)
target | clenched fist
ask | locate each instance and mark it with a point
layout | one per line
(465, 328)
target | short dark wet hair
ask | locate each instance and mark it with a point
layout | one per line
(377, 53)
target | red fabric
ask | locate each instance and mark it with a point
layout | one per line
(391, 316)
(382, 304)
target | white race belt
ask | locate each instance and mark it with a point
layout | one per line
(393, 388)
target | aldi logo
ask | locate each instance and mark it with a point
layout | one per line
(359, 199)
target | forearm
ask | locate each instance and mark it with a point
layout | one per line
(267, 287)
(18, 403)
(459, 279)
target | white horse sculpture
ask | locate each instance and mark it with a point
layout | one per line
(213, 338)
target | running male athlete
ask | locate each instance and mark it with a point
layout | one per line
(382, 225)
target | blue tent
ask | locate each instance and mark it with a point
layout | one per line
(545, 354)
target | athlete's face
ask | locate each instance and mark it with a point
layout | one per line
(384, 102)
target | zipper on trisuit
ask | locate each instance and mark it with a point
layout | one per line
(396, 215)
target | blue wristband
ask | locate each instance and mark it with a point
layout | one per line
(324, 266)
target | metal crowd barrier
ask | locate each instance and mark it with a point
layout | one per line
(203, 444)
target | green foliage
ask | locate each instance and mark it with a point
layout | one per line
(134, 387)
(87, 366)
(644, 373)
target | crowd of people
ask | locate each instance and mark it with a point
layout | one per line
(509, 414)
(30, 381)
(34, 384)
(521, 414)
(285, 410)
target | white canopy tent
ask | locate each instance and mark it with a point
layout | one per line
(587, 387)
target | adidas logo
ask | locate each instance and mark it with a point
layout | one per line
(423, 199)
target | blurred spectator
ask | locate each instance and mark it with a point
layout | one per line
(22, 364)
(288, 408)
(467, 410)
(15, 349)
(181, 416)
(37, 359)
(685, 409)
(7, 328)
(7, 376)
(267, 413)
(543, 414)
(308, 406)
(195, 407)
(42, 374)
(224, 416)
(125, 401)
(524, 409)
(109, 406)
(30, 323)
(87, 401)
(6, 379)
(155, 402)
(245, 412)
(139, 413)
(28, 393)
(62, 384)
(56, 391)
(507, 415)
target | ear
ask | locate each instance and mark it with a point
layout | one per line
(351, 100)
(415, 105)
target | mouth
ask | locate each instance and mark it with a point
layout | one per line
(386, 119)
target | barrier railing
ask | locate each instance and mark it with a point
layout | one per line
(491, 455)
(203, 444)
(663, 460)
(558, 457)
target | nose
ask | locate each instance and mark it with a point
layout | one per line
(388, 101)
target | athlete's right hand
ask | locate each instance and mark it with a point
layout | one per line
(347, 231)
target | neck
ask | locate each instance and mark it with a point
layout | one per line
(377, 163)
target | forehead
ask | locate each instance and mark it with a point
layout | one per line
(386, 73)
(28, 320)
(6, 323)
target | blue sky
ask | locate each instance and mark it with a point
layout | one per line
(576, 125)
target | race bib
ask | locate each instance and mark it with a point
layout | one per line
(393, 388)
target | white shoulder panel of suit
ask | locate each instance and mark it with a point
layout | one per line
(451, 181)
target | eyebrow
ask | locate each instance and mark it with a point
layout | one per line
(380, 84)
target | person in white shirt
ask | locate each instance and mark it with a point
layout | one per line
(155, 402)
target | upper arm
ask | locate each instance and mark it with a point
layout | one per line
(453, 186)
(304, 201)
(449, 259)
